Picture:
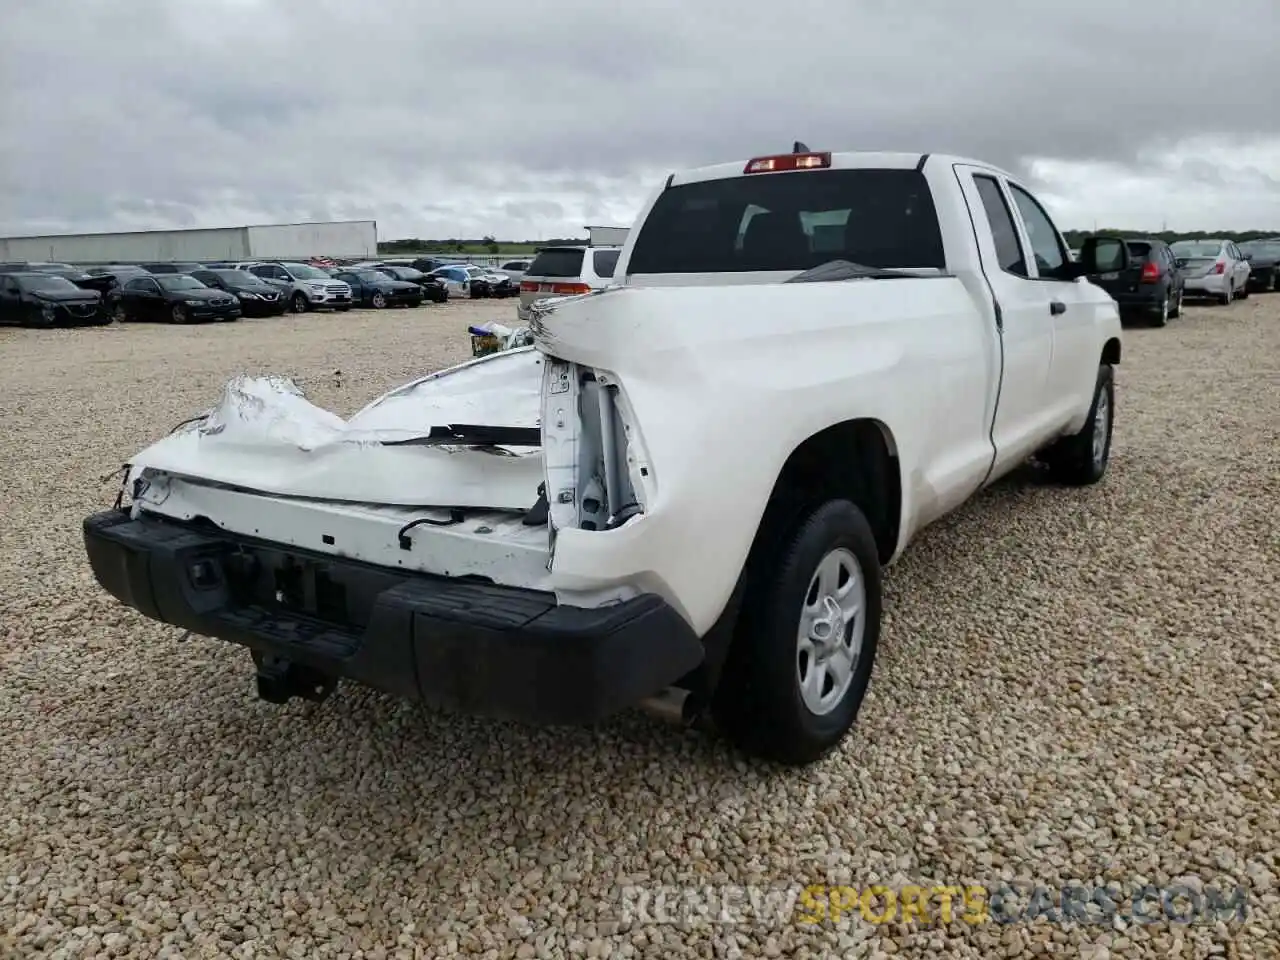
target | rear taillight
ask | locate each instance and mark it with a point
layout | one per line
(1150, 273)
(1219, 267)
(528, 286)
(789, 161)
(567, 289)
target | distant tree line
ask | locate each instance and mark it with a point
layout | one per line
(1076, 237)
(487, 244)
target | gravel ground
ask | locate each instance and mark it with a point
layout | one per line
(1073, 685)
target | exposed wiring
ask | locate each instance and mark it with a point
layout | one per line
(195, 419)
(455, 516)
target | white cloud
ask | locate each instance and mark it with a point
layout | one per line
(523, 119)
(1200, 185)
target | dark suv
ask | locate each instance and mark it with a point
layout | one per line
(1264, 263)
(1151, 286)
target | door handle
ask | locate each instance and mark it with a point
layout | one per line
(1056, 307)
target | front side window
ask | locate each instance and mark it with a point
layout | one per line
(1046, 245)
(604, 262)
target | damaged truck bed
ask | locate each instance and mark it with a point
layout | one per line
(407, 547)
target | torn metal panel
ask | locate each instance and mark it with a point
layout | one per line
(462, 437)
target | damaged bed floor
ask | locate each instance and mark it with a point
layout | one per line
(1072, 685)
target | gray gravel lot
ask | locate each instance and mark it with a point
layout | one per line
(1072, 685)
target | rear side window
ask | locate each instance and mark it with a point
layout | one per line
(1000, 220)
(564, 262)
(604, 261)
(791, 222)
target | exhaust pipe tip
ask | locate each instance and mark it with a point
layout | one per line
(674, 705)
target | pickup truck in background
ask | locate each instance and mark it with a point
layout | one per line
(683, 493)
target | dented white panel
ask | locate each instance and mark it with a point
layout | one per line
(264, 435)
(485, 543)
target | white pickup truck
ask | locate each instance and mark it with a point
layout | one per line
(682, 495)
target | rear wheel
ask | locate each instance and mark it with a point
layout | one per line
(1177, 306)
(1226, 298)
(801, 661)
(1163, 313)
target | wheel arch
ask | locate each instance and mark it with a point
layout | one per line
(1111, 351)
(854, 460)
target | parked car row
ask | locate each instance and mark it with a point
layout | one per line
(47, 293)
(459, 279)
(1160, 276)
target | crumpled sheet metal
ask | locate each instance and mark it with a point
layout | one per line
(263, 434)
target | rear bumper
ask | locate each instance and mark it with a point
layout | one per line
(1261, 278)
(1213, 283)
(472, 647)
(1145, 298)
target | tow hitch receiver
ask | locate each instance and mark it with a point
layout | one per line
(279, 680)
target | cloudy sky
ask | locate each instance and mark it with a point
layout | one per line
(530, 119)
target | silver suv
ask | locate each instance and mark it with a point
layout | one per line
(564, 271)
(303, 287)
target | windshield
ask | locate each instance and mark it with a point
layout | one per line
(1196, 248)
(792, 222)
(50, 284)
(405, 273)
(370, 276)
(302, 271)
(558, 262)
(176, 281)
(238, 278)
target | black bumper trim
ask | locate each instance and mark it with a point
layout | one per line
(473, 647)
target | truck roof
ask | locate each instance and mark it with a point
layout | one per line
(847, 160)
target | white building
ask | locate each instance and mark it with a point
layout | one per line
(275, 241)
(607, 236)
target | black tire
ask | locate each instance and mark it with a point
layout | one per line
(298, 302)
(1175, 312)
(1162, 315)
(378, 301)
(1226, 298)
(178, 314)
(1074, 460)
(759, 703)
(119, 313)
(1244, 293)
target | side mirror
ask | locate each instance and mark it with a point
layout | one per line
(1103, 255)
